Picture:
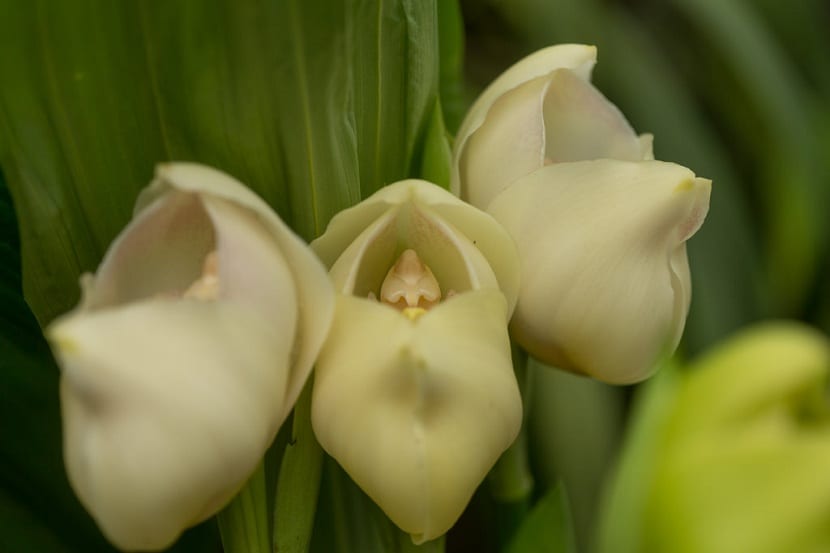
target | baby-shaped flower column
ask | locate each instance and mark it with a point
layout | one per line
(414, 392)
(189, 348)
(600, 227)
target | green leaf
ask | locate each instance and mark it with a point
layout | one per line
(243, 523)
(575, 431)
(783, 129)
(437, 159)
(299, 482)
(312, 104)
(394, 47)
(451, 43)
(547, 527)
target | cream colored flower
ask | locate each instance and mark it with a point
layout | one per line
(189, 348)
(600, 227)
(414, 392)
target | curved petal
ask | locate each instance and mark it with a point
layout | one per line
(605, 283)
(188, 350)
(168, 405)
(577, 57)
(366, 238)
(508, 144)
(419, 417)
(581, 124)
(551, 119)
(311, 283)
(174, 232)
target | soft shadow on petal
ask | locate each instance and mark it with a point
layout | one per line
(172, 416)
(577, 57)
(173, 232)
(187, 352)
(509, 143)
(603, 262)
(419, 416)
(311, 284)
(581, 124)
(465, 246)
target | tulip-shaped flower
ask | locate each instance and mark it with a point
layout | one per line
(414, 391)
(600, 227)
(189, 348)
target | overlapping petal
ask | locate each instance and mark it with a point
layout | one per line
(188, 350)
(418, 411)
(608, 298)
(605, 280)
(416, 401)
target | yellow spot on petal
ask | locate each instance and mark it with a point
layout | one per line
(413, 313)
(684, 186)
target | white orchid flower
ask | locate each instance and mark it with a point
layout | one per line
(414, 391)
(600, 227)
(189, 348)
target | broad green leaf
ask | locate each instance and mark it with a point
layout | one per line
(312, 104)
(794, 189)
(394, 46)
(451, 45)
(299, 482)
(547, 527)
(437, 156)
(78, 136)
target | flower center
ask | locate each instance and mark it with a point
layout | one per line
(410, 286)
(206, 287)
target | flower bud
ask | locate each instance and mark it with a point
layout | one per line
(189, 348)
(731, 454)
(600, 227)
(414, 391)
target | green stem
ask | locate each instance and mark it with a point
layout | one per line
(298, 484)
(243, 524)
(510, 480)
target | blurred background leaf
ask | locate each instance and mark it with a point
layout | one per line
(547, 527)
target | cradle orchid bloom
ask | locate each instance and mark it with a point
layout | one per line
(414, 391)
(188, 349)
(600, 226)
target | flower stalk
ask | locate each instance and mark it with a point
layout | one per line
(511, 481)
(243, 524)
